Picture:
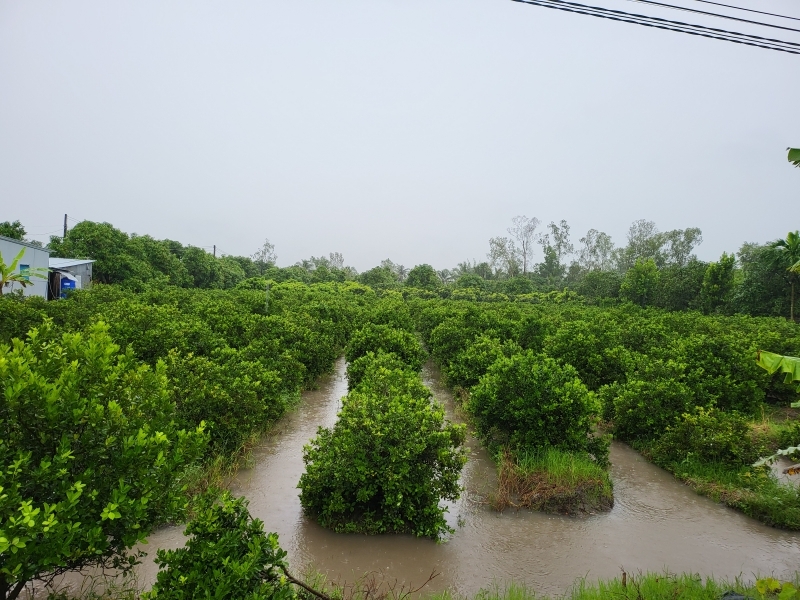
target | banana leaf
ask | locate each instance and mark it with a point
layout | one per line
(789, 365)
(775, 362)
(794, 156)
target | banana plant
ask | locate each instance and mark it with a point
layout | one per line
(790, 366)
(9, 274)
(772, 363)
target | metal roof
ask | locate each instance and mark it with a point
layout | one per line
(64, 263)
(26, 244)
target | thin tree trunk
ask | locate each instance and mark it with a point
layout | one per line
(791, 305)
(16, 591)
(9, 591)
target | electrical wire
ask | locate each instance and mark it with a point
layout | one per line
(761, 12)
(666, 24)
(43, 232)
(710, 14)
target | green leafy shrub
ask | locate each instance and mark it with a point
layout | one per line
(650, 401)
(227, 555)
(640, 283)
(531, 332)
(466, 369)
(593, 348)
(92, 454)
(357, 369)
(18, 315)
(392, 310)
(721, 369)
(235, 398)
(530, 400)
(710, 435)
(449, 338)
(387, 463)
(384, 337)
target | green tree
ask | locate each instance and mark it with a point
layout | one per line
(516, 285)
(265, 256)
(640, 282)
(203, 268)
(551, 268)
(718, 283)
(107, 246)
(91, 452)
(379, 277)
(470, 280)
(645, 241)
(423, 277)
(762, 288)
(679, 286)
(787, 256)
(598, 284)
(596, 252)
(231, 272)
(163, 257)
(13, 230)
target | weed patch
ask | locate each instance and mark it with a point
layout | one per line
(551, 480)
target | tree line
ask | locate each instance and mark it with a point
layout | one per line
(653, 268)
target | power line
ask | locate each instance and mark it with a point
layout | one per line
(710, 14)
(666, 24)
(761, 12)
(42, 232)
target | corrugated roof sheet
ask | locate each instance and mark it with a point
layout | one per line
(27, 244)
(64, 263)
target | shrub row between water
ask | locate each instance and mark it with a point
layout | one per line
(683, 388)
(391, 458)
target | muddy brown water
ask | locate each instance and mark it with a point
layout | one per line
(656, 524)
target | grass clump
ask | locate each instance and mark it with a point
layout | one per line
(650, 586)
(552, 480)
(754, 491)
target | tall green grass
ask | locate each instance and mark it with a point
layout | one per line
(650, 586)
(754, 491)
(552, 480)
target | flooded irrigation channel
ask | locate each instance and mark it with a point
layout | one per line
(656, 524)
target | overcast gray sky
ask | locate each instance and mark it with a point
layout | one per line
(408, 129)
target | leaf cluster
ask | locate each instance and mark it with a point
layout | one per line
(227, 555)
(92, 449)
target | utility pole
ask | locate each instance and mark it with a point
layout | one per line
(215, 251)
(65, 226)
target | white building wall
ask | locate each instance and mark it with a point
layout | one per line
(33, 257)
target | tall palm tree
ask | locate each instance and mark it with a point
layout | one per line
(794, 156)
(787, 254)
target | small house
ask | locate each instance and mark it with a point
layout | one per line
(69, 274)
